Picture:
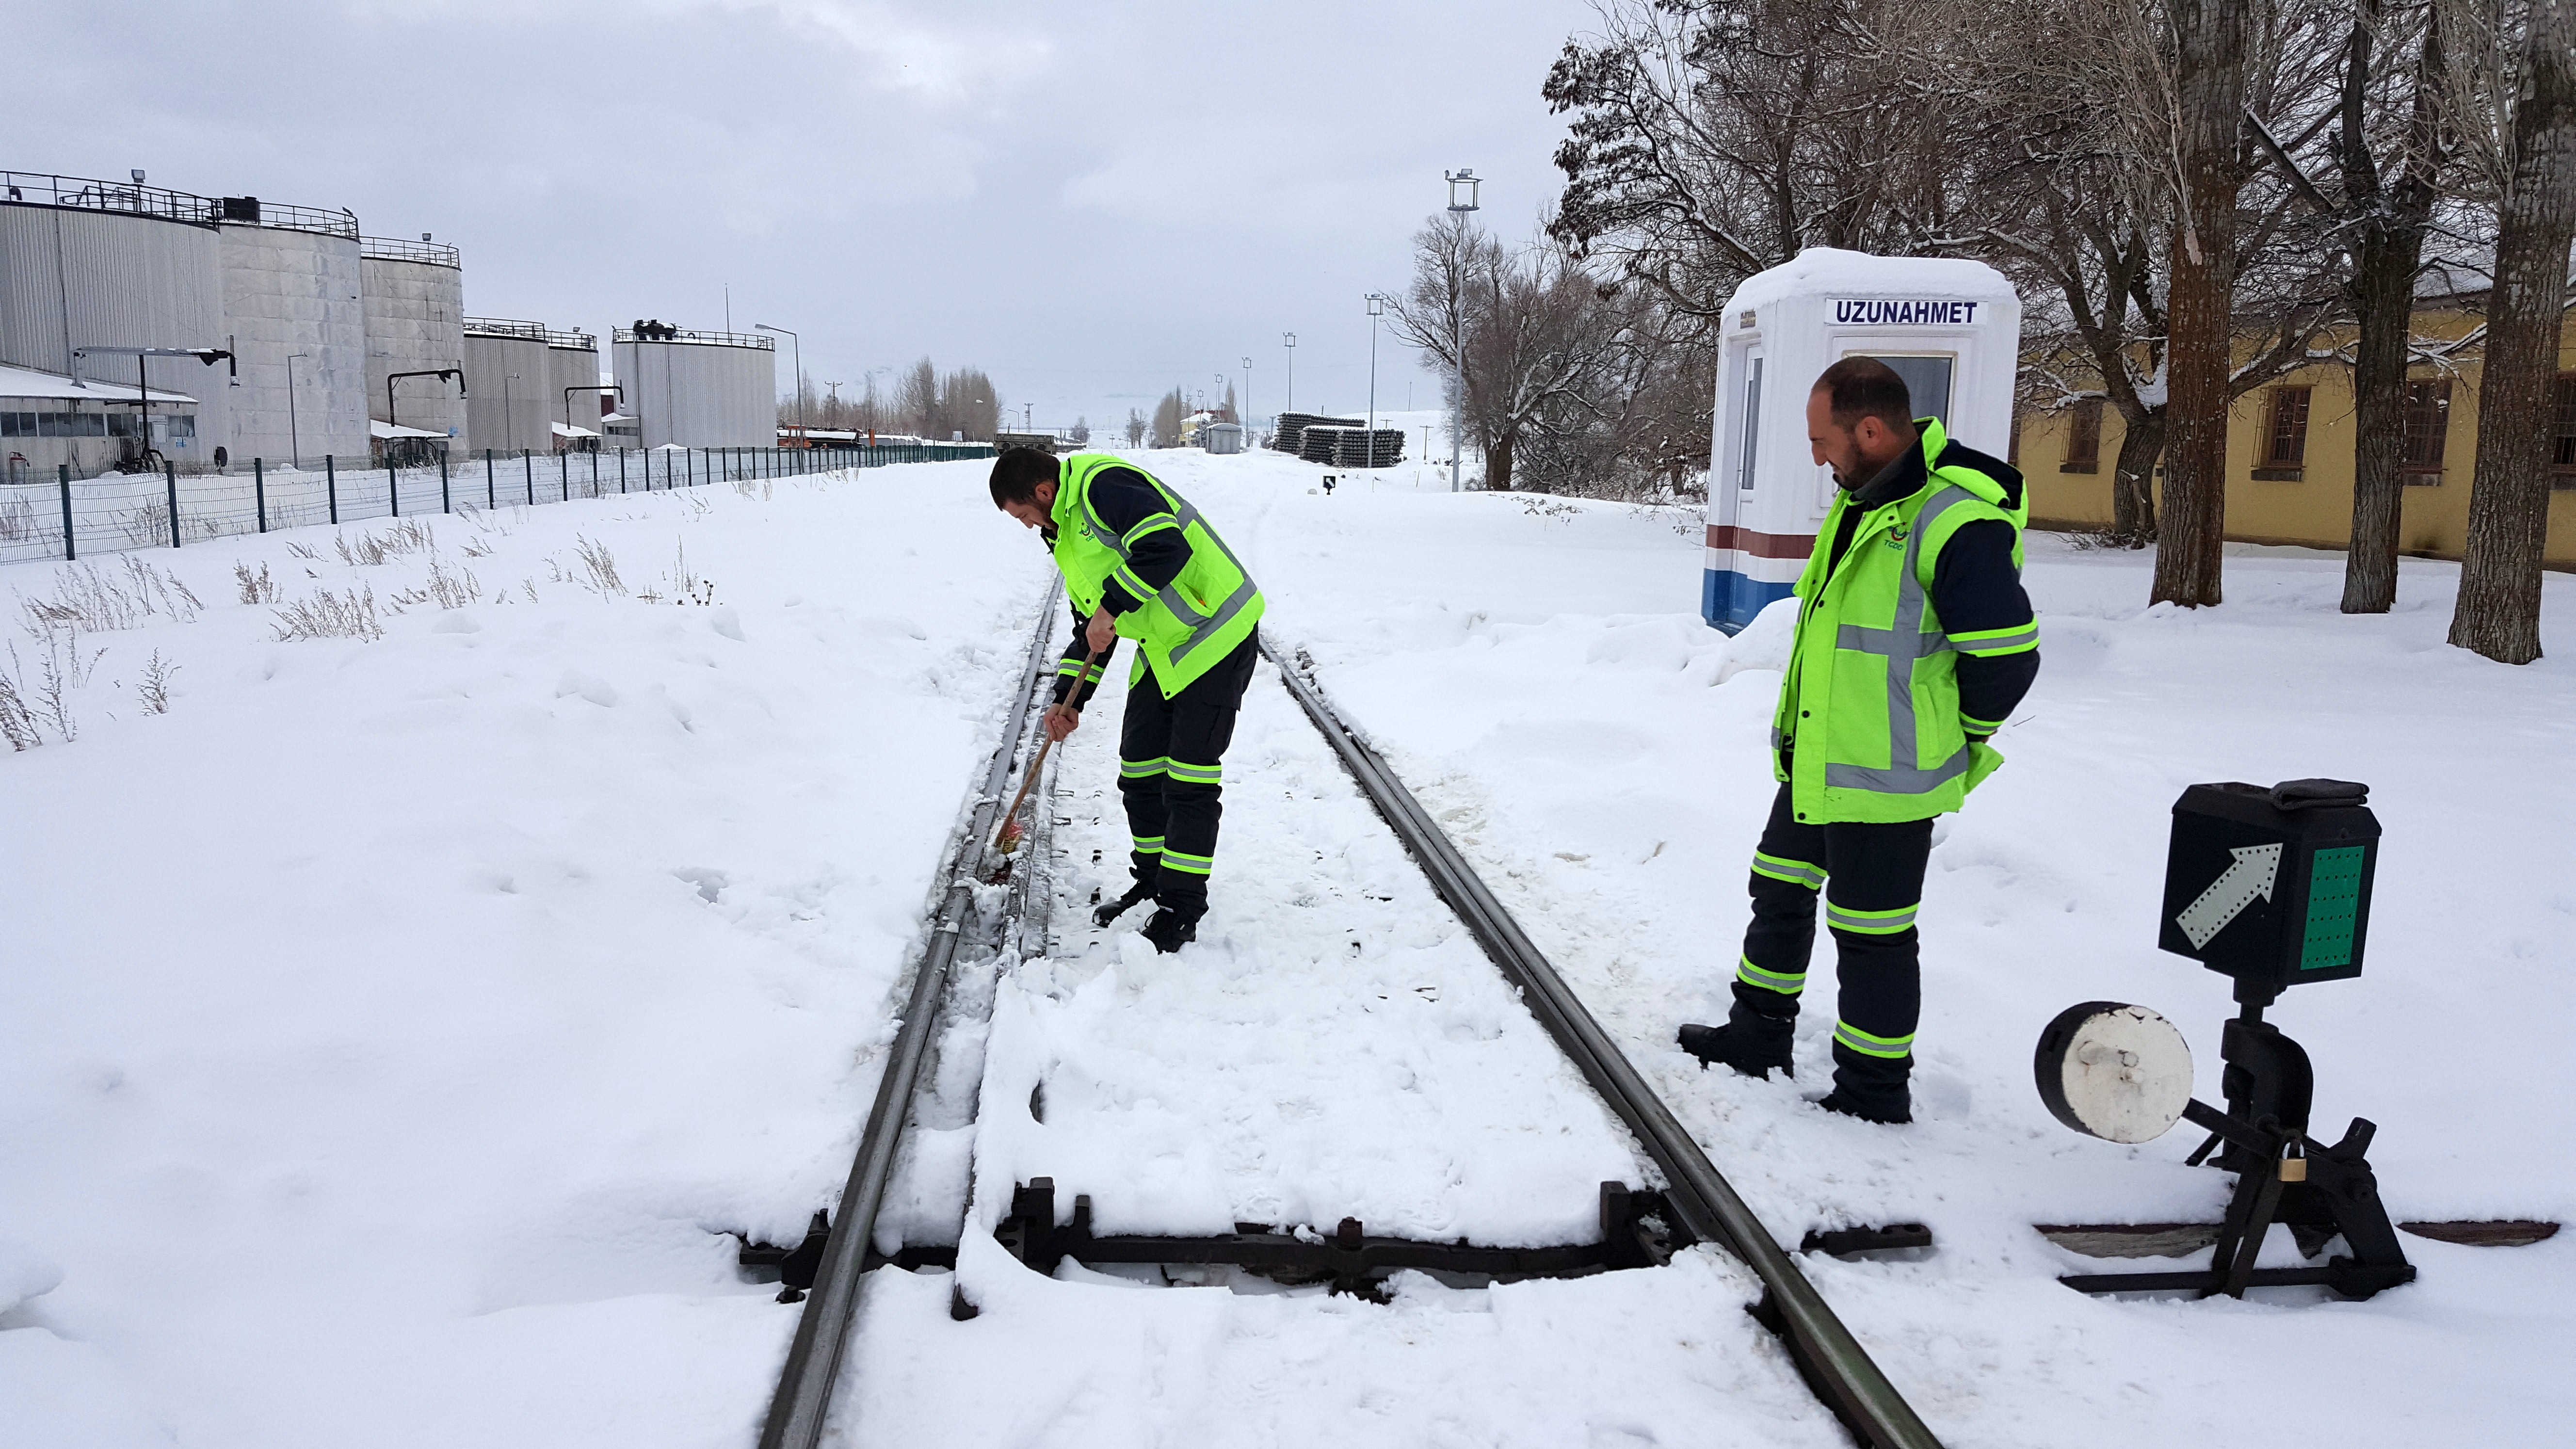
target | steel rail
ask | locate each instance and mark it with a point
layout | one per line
(1828, 1356)
(798, 1411)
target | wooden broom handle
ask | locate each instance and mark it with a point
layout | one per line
(1029, 782)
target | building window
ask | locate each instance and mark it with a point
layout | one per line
(2288, 436)
(2428, 427)
(2083, 437)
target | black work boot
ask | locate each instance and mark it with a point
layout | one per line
(1169, 930)
(1870, 1088)
(1752, 1042)
(1109, 911)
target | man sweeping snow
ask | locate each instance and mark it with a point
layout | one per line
(1914, 643)
(1140, 563)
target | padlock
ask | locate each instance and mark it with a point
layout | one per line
(2294, 1163)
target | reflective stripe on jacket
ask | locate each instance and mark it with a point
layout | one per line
(1183, 628)
(1869, 707)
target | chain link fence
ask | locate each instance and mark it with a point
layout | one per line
(63, 517)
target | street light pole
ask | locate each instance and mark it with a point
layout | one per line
(1247, 393)
(1292, 372)
(1376, 309)
(1464, 176)
(295, 438)
(798, 343)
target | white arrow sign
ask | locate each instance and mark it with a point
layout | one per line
(2251, 874)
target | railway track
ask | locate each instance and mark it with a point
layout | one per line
(1639, 1227)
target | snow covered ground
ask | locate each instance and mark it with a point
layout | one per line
(390, 1031)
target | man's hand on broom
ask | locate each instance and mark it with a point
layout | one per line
(1062, 720)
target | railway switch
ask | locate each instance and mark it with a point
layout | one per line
(2272, 888)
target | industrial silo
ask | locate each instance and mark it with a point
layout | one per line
(294, 311)
(87, 263)
(572, 385)
(510, 367)
(415, 310)
(700, 389)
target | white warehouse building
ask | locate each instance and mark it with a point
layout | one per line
(699, 389)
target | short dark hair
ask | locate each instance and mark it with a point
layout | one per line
(1018, 472)
(1864, 387)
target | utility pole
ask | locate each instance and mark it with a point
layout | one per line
(1292, 372)
(1376, 309)
(1247, 393)
(1464, 176)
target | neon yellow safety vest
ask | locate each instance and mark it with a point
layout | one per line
(1870, 704)
(1184, 627)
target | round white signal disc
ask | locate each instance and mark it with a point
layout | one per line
(2121, 1073)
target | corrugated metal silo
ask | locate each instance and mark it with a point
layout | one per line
(510, 367)
(415, 309)
(291, 291)
(89, 264)
(573, 362)
(701, 389)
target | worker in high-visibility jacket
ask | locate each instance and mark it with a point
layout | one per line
(1914, 644)
(1140, 563)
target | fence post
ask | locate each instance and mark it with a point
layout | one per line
(491, 495)
(594, 472)
(393, 486)
(170, 473)
(621, 470)
(563, 476)
(528, 466)
(259, 491)
(71, 550)
(446, 501)
(331, 488)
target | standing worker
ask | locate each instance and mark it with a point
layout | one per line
(1140, 563)
(1914, 643)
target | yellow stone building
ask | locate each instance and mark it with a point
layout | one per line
(2289, 455)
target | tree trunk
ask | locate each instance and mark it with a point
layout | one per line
(2209, 92)
(2133, 479)
(2383, 293)
(2498, 614)
(2383, 299)
(1498, 464)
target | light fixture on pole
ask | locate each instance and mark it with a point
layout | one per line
(799, 344)
(1292, 372)
(1247, 393)
(1462, 200)
(1376, 309)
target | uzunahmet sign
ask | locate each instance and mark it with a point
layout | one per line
(1902, 312)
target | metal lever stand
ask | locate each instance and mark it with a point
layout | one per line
(2282, 1176)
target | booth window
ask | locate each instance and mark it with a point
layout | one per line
(2428, 427)
(2562, 435)
(2083, 437)
(2285, 437)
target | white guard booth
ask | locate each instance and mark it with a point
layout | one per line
(1951, 329)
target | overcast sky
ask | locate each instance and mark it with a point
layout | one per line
(1092, 202)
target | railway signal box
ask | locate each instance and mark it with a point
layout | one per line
(2271, 886)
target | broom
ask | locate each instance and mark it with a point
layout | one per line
(1008, 841)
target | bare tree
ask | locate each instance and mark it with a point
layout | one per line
(1135, 428)
(916, 398)
(1168, 414)
(1080, 433)
(2511, 89)
(2388, 154)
